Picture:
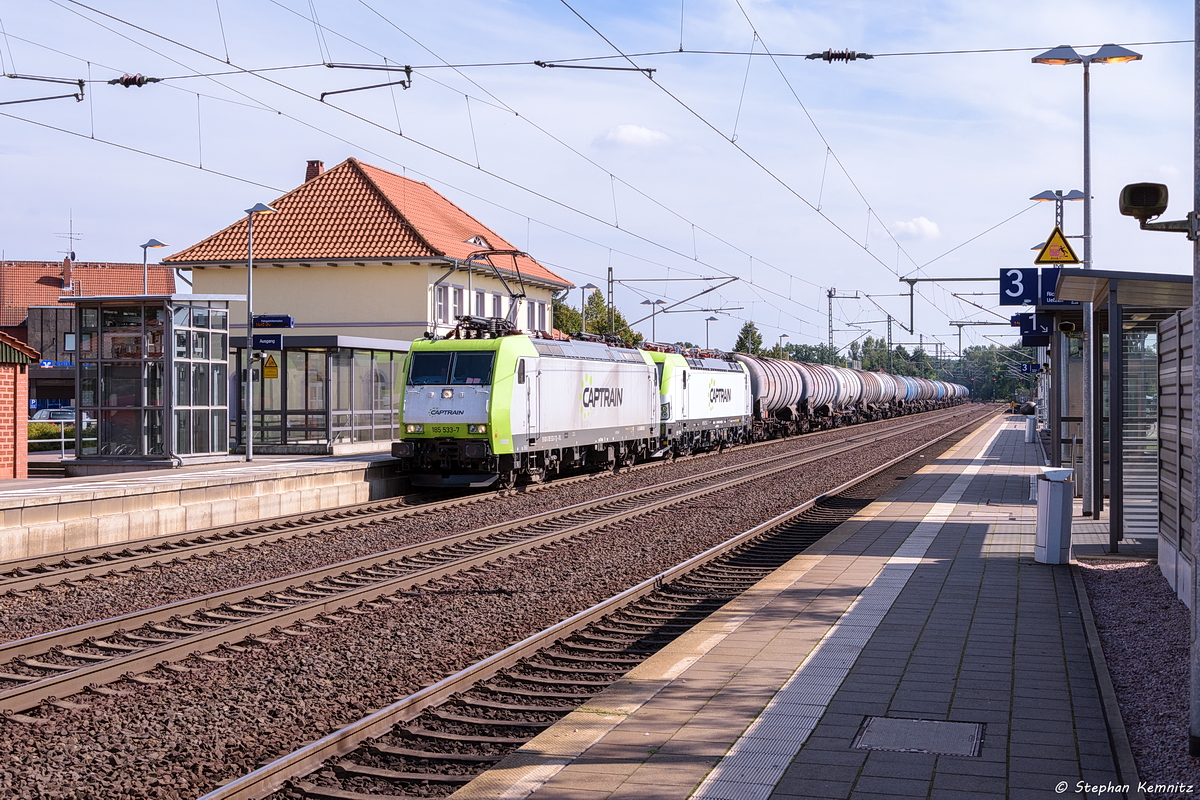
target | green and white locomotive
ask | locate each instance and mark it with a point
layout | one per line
(487, 405)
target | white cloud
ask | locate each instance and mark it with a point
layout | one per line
(916, 228)
(633, 136)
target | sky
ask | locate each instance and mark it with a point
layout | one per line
(733, 158)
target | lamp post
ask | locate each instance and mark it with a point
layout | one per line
(248, 395)
(583, 290)
(145, 268)
(1058, 197)
(779, 345)
(706, 324)
(1059, 56)
(654, 304)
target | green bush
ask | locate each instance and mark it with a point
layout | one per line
(50, 430)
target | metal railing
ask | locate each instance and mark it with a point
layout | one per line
(63, 440)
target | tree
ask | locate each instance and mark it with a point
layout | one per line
(603, 318)
(566, 319)
(599, 319)
(814, 354)
(749, 340)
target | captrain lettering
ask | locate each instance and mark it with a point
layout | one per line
(720, 396)
(602, 397)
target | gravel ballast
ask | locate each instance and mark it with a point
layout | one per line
(1144, 631)
(197, 730)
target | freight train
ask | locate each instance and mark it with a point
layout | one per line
(490, 406)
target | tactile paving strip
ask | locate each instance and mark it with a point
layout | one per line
(742, 772)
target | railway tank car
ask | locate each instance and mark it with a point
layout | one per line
(792, 397)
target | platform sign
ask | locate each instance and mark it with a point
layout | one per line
(1033, 340)
(274, 321)
(1049, 281)
(1056, 250)
(268, 341)
(1030, 368)
(1016, 320)
(1036, 324)
(1019, 287)
(270, 370)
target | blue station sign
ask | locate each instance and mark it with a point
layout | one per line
(268, 341)
(274, 321)
(1019, 286)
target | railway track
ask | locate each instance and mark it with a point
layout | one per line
(38, 573)
(447, 734)
(46, 668)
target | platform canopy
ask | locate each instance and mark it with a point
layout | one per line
(1142, 289)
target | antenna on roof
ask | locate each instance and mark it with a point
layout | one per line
(71, 237)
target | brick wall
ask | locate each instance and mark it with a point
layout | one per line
(14, 414)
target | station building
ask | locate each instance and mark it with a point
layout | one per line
(363, 261)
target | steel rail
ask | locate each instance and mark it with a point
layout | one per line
(161, 551)
(273, 776)
(70, 681)
(36, 572)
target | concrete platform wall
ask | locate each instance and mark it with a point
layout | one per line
(116, 511)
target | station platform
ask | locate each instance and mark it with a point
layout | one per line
(916, 651)
(49, 515)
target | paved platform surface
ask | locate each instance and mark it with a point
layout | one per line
(926, 606)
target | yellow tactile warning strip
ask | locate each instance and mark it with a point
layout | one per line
(712, 708)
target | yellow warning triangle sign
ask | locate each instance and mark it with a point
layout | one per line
(271, 368)
(1056, 250)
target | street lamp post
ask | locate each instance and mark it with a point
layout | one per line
(706, 323)
(583, 290)
(145, 268)
(779, 345)
(1093, 490)
(248, 393)
(654, 304)
(1058, 197)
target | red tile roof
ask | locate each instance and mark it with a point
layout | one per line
(19, 346)
(40, 283)
(358, 212)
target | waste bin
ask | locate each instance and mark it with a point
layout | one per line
(1030, 429)
(1055, 492)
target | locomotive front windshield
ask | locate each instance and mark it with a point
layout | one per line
(467, 367)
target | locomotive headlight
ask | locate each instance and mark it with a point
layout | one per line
(447, 394)
(411, 428)
(477, 429)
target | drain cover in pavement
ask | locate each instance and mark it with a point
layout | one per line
(920, 736)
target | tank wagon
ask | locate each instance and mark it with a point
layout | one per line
(488, 405)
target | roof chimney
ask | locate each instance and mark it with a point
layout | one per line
(66, 274)
(315, 168)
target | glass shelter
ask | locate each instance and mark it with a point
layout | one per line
(152, 376)
(327, 394)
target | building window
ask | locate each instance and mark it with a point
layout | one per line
(443, 304)
(458, 302)
(68, 343)
(541, 316)
(480, 304)
(497, 306)
(531, 317)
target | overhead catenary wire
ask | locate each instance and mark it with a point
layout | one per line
(612, 177)
(417, 142)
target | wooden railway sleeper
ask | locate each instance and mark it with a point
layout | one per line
(517, 691)
(475, 702)
(358, 770)
(595, 658)
(512, 676)
(404, 752)
(490, 723)
(416, 731)
(33, 663)
(573, 670)
(107, 645)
